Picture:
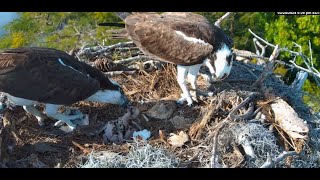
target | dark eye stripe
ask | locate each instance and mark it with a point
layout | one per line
(229, 58)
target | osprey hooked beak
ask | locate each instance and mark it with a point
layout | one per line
(220, 63)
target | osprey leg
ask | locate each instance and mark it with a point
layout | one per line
(182, 72)
(32, 110)
(68, 111)
(192, 78)
(52, 111)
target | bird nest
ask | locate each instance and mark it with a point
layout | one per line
(218, 131)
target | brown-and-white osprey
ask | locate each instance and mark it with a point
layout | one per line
(34, 75)
(181, 38)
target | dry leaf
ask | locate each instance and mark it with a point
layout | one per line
(162, 136)
(178, 140)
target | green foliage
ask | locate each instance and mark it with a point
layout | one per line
(313, 99)
(61, 30)
(284, 30)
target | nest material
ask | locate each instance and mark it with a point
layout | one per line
(145, 90)
(141, 155)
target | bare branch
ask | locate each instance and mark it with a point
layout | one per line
(251, 56)
(116, 73)
(214, 158)
(255, 46)
(98, 50)
(266, 42)
(248, 113)
(130, 59)
(307, 61)
(272, 45)
(263, 48)
(269, 68)
(310, 49)
(304, 69)
(225, 16)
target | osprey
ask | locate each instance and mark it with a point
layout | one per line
(34, 75)
(181, 38)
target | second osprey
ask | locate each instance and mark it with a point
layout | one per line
(181, 38)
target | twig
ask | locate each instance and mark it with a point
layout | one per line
(130, 59)
(145, 117)
(268, 69)
(116, 73)
(248, 113)
(214, 158)
(266, 42)
(126, 48)
(196, 129)
(225, 16)
(304, 69)
(98, 50)
(263, 48)
(310, 49)
(251, 56)
(255, 46)
(307, 61)
(269, 163)
(84, 150)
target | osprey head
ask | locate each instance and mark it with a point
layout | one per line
(220, 62)
(113, 95)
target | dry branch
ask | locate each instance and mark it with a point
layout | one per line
(83, 149)
(116, 73)
(307, 61)
(263, 48)
(97, 50)
(214, 158)
(130, 59)
(248, 113)
(225, 16)
(197, 128)
(268, 69)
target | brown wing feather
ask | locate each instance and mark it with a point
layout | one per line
(187, 16)
(10, 59)
(155, 35)
(37, 74)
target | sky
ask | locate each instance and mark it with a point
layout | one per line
(6, 17)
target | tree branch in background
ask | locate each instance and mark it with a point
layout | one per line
(97, 50)
(130, 59)
(307, 61)
(116, 73)
(225, 16)
(269, 67)
(263, 48)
